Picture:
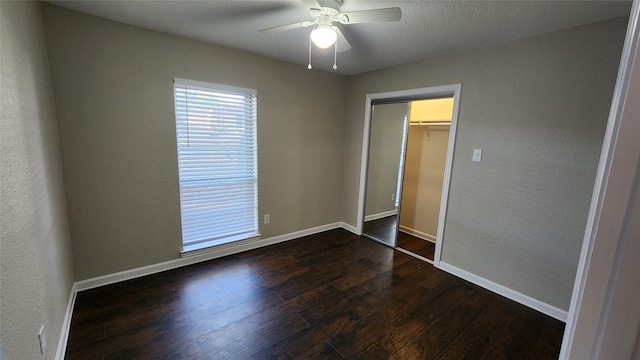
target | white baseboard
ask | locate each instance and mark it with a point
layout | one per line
(349, 228)
(381, 215)
(213, 253)
(415, 255)
(66, 325)
(516, 296)
(418, 234)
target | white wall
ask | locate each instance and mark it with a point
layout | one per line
(35, 249)
(538, 108)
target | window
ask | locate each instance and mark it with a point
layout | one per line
(217, 163)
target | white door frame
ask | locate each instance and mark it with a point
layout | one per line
(411, 94)
(603, 263)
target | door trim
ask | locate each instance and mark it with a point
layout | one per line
(595, 310)
(408, 95)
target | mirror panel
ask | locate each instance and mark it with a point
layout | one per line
(384, 174)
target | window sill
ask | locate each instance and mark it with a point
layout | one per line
(204, 247)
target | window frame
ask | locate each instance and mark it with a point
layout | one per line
(250, 97)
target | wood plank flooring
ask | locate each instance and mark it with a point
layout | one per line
(383, 229)
(386, 229)
(332, 295)
(416, 245)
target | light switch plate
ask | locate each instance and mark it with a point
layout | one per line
(477, 155)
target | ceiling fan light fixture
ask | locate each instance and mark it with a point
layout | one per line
(323, 36)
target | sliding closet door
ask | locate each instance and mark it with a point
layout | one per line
(386, 157)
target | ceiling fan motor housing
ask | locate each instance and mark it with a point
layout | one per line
(326, 16)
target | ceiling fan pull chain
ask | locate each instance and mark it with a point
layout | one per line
(335, 55)
(309, 66)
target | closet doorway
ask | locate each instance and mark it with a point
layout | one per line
(426, 155)
(407, 156)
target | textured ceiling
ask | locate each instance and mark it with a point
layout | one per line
(427, 28)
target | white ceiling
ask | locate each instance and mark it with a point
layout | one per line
(427, 28)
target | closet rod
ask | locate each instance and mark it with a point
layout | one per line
(431, 124)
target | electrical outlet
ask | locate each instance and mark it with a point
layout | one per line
(267, 218)
(393, 197)
(477, 155)
(43, 339)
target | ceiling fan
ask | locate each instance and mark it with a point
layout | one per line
(325, 13)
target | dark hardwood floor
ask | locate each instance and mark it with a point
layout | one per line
(418, 246)
(382, 229)
(385, 229)
(332, 295)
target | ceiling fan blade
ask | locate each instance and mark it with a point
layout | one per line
(312, 4)
(287, 27)
(377, 15)
(343, 44)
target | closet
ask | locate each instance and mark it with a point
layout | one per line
(408, 142)
(426, 155)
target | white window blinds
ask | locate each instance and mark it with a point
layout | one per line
(217, 162)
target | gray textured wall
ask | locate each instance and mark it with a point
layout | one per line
(538, 107)
(114, 97)
(35, 259)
